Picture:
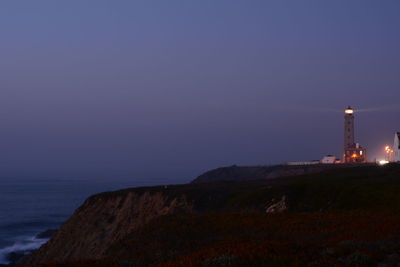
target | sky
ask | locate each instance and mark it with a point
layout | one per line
(166, 90)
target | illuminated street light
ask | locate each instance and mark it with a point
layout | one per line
(389, 153)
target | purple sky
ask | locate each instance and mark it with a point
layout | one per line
(169, 89)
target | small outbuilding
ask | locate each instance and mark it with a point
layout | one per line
(329, 159)
(396, 147)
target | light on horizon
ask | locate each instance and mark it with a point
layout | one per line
(349, 110)
(383, 162)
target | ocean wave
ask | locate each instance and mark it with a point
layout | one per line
(32, 224)
(23, 246)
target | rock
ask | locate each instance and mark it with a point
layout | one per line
(103, 220)
(277, 206)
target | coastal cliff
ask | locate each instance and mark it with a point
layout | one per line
(335, 217)
(107, 219)
(101, 222)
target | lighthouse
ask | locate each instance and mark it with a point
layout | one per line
(348, 127)
(352, 152)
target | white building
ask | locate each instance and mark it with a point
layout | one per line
(329, 159)
(298, 163)
(396, 147)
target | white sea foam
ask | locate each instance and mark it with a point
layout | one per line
(22, 246)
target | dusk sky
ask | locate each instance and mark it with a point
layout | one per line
(165, 90)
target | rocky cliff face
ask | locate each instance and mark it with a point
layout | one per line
(276, 206)
(127, 227)
(102, 221)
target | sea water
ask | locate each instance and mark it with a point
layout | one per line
(30, 206)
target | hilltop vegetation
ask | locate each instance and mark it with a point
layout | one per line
(346, 216)
(254, 239)
(245, 173)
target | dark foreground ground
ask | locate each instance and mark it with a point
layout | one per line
(330, 239)
(340, 217)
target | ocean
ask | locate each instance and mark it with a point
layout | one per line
(30, 206)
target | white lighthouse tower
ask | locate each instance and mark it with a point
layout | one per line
(352, 152)
(348, 127)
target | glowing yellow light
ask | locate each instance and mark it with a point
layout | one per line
(383, 162)
(349, 111)
(354, 155)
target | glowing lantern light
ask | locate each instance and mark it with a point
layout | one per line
(349, 110)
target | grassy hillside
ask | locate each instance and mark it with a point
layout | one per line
(337, 217)
(245, 173)
(358, 188)
(254, 239)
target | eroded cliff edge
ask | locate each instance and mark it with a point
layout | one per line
(102, 221)
(105, 219)
(128, 227)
